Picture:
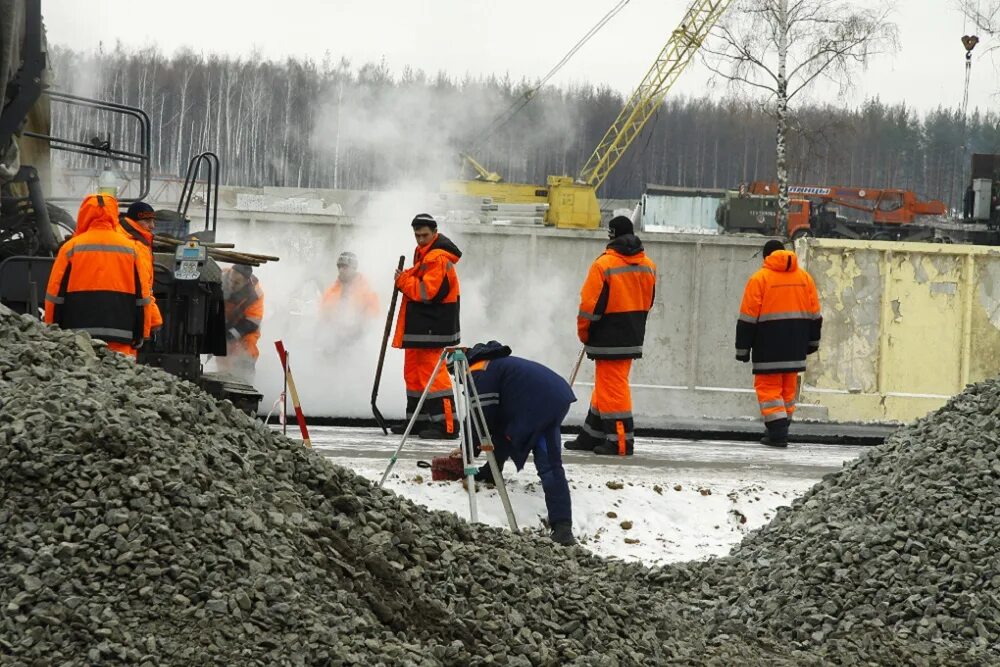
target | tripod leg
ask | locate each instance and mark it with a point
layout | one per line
(465, 431)
(413, 419)
(486, 444)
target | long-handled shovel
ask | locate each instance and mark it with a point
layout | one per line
(381, 355)
(576, 368)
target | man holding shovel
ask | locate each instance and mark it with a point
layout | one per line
(428, 322)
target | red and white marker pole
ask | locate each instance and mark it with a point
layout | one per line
(283, 355)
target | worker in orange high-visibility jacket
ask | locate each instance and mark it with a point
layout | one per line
(244, 307)
(138, 224)
(97, 284)
(614, 304)
(428, 322)
(779, 325)
(349, 306)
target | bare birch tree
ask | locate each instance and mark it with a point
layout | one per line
(984, 14)
(778, 48)
(985, 18)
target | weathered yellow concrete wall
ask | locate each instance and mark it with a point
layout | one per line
(905, 325)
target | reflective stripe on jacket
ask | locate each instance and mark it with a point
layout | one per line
(96, 284)
(780, 318)
(615, 301)
(429, 315)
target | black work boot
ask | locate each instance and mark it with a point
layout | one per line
(399, 429)
(609, 448)
(582, 443)
(766, 440)
(437, 433)
(485, 475)
(562, 533)
(777, 434)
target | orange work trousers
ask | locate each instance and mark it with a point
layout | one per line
(123, 348)
(418, 364)
(776, 395)
(610, 417)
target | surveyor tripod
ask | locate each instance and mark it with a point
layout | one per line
(470, 420)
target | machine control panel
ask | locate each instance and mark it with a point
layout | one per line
(189, 260)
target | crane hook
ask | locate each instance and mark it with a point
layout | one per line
(969, 42)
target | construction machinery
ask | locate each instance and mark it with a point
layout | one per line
(832, 211)
(189, 294)
(982, 198)
(572, 202)
(870, 213)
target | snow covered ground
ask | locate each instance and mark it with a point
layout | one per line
(674, 500)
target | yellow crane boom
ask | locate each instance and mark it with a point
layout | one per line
(680, 49)
(482, 173)
(572, 202)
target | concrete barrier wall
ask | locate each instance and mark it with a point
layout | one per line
(906, 325)
(521, 285)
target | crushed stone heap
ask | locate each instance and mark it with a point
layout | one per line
(905, 541)
(142, 522)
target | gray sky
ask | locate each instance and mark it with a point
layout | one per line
(520, 37)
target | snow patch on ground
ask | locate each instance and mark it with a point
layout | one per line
(653, 516)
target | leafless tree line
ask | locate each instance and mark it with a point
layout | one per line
(301, 123)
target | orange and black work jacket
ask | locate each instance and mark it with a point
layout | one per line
(96, 284)
(615, 301)
(428, 317)
(353, 299)
(244, 313)
(144, 244)
(780, 319)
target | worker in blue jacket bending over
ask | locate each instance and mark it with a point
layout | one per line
(524, 404)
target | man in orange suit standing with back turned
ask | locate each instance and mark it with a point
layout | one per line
(614, 303)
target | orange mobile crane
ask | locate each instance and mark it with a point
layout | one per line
(834, 211)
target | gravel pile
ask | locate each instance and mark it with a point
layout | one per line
(902, 545)
(144, 523)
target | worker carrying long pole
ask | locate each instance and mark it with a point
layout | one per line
(614, 304)
(428, 322)
(779, 325)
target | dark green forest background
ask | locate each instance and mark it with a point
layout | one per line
(302, 123)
